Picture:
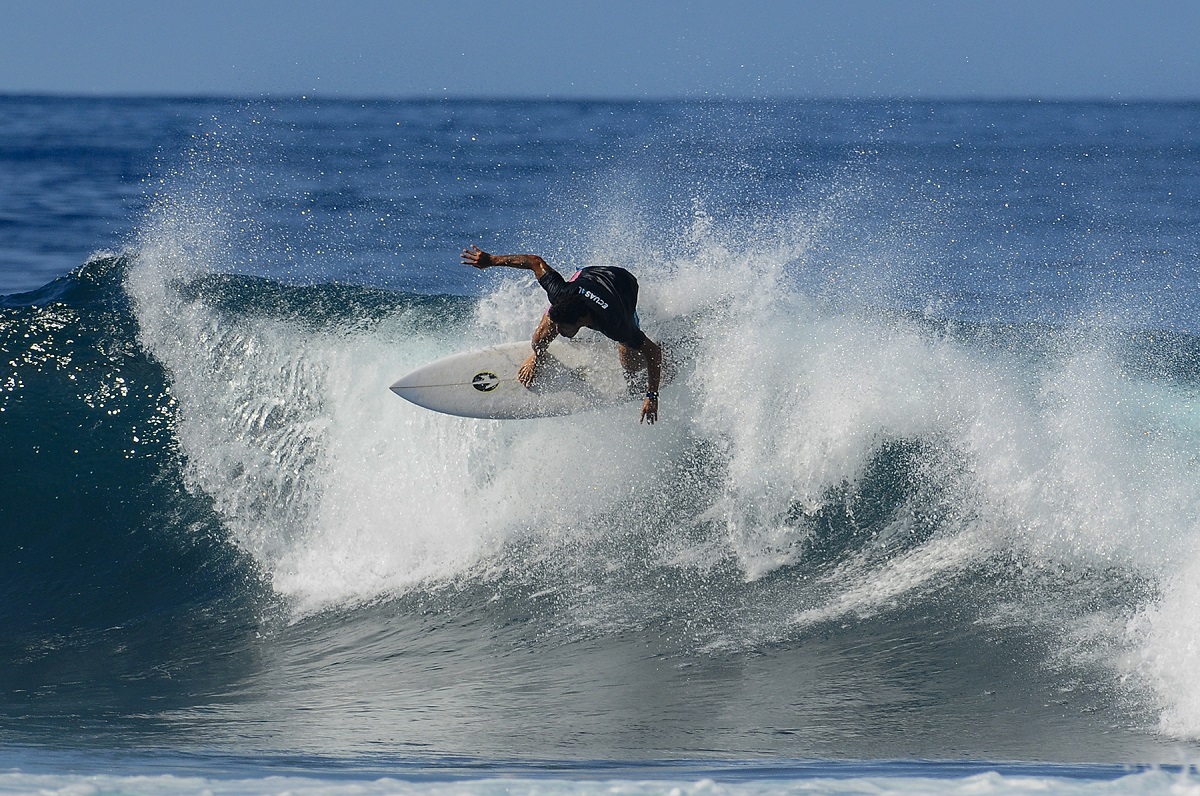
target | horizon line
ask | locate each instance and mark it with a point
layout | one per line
(583, 98)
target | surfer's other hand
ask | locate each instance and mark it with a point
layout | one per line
(476, 257)
(528, 371)
(649, 411)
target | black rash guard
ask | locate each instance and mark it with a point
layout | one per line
(611, 295)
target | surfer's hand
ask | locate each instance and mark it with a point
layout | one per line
(528, 370)
(476, 257)
(649, 411)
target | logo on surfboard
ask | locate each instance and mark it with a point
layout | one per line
(485, 381)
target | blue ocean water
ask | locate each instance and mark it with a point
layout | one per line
(921, 514)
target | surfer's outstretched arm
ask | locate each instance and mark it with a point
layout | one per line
(543, 335)
(478, 258)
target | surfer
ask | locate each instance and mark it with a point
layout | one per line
(600, 297)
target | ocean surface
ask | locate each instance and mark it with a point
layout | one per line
(921, 513)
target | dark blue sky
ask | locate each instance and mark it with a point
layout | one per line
(1109, 49)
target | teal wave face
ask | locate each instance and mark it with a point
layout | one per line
(99, 529)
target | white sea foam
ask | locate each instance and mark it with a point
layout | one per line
(1181, 784)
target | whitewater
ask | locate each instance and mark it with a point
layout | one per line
(921, 513)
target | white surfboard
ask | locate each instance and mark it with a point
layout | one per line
(577, 375)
